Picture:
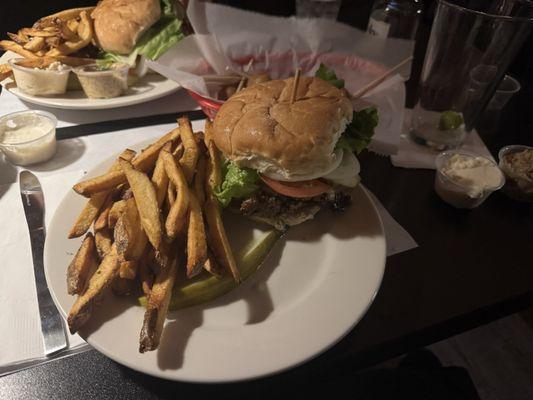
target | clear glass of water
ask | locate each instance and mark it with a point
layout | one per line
(464, 39)
(318, 8)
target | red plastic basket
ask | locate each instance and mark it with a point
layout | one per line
(210, 107)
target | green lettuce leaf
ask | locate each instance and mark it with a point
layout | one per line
(359, 132)
(155, 41)
(238, 183)
(160, 37)
(327, 74)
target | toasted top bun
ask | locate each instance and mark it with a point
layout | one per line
(259, 128)
(118, 24)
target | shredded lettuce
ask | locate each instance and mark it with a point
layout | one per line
(155, 41)
(327, 74)
(237, 183)
(359, 132)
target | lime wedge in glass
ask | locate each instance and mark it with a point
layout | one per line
(450, 120)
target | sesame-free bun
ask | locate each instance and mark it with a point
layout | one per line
(118, 24)
(259, 128)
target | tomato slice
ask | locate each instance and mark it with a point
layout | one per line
(299, 190)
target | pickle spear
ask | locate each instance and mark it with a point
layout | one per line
(248, 260)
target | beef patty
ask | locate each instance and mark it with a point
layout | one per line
(282, 211)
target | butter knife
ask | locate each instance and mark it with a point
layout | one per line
(54, 337)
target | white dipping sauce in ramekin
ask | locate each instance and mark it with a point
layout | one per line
(28, 137)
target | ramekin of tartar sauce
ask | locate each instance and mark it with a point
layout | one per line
(103, 82)
(41, 81)
(28, 137)
(464, 179)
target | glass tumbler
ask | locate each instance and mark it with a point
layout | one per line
(466, 36)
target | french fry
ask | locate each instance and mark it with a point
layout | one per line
(143, 162)
(218, 239)
(103, 240)
(82, 266)
(157, 307)
(35, 44)
(38, 32)
(162, 257)
(128, 270)
(8, 45)
(213, 168)
(199, 180)
(72, 24)
(5, 72)
(85, 33)
(100, 183)
(146, 276)
(160, 178)
(196, 239)
(177, 216)
(122, 236)
(18, 39)
(88, 215)
(116, 211)
(95, 203)
(171, 194)
(146, 160)
(178, 151)
(146, 201)
(52, 42)
(70, 34)
(97, 288)
(64, 15)
(211, 264)
(101, 221)
(208, 134)
(129, 236)
(190, 149)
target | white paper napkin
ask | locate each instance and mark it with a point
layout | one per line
(175, 102)
(397, 238)
(20, 329)
(412, 155)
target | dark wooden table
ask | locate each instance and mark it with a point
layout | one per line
(471, 267)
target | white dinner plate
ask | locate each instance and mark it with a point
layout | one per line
(314, 287)
(150, 87)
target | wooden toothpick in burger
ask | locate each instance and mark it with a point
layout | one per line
(295, 86)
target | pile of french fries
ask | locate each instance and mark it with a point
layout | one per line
(56, 37)
(153, 216)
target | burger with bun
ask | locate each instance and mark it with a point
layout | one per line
(286, 160)
(127, 30)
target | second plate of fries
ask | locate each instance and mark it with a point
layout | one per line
(57, 62)
(145, 222)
